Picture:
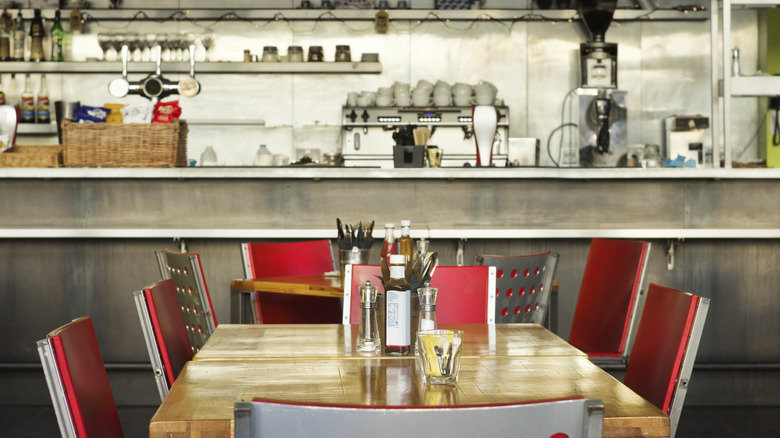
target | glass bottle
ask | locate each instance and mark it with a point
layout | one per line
(36, 35)
(2, 94)
(42, 108)
(5, 36)
(56, 38)
(397, 310)
(18, 38)
(405, 242)
(427, 307)
(27, 105)
(368, 341)
(388, 247)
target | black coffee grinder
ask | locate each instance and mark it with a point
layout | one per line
(602, 106)
(598, 59)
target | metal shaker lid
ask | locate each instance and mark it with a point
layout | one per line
(427, 296)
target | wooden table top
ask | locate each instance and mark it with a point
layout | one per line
(321, 285)
(324, 341)
(201, 400)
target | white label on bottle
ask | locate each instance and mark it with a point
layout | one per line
(398, 318)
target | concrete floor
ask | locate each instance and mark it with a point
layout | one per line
(696, 421)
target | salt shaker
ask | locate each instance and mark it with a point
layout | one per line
(427, 307)
(368, 341)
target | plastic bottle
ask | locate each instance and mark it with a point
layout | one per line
(42, 108)
(398, 310)
(36, 35)
(208, 157)
(56, 38)
(264, 157)
(388, 247)
(27, 105)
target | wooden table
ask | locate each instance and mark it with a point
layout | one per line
(201, 400)
(244, 342)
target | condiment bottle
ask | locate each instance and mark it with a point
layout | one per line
(427, 307)
(27, 105)
(397, 310)
(405, 242)
(388, 247)
(368, 341)
(264, 157)
(42, 107)
(5, 36)
(56, 38)
(36, 34)
(18, 38)
(2, 94)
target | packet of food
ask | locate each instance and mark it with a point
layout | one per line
(114, 116)
(91, 114)
(141, 113)
(165, 112)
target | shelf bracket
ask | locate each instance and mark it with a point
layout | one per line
(459, 253)
(670, 244)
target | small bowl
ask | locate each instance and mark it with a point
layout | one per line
(369, 57)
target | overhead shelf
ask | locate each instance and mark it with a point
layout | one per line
(200, 67)
(236, 14)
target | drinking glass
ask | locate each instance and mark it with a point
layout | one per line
(104, 41)
(439, 355)
(207, 39)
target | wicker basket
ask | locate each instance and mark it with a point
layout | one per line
(124, 145)
(32, 156)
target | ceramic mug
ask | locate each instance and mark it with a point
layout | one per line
(401, 88)
(463, 99)
(422, 99)
(484, 98)
(461, 88)
(442, 84)
(363, 101)
(371, 96)
(442, 99)
(384, 91)
(422, 84)
(403, 100)
(383, 100)
(484, 87)
(352, 99)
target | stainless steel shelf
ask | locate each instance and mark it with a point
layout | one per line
(755, 3)
(36, 129)
(755, 86)
(200, 67)
(235, 14)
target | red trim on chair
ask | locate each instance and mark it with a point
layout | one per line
(169, 329)
(67, 383)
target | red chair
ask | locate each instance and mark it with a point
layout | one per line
(263, 260)
(610, 299)
(167, 341)
(523, 285)
(78, 383)
(466, 293)
(186, 271)
(573, 418)
(665, 348)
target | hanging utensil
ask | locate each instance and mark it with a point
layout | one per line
(190, 87)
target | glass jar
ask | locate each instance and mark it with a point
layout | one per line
(343, 54)
(652, 156)
(295, 54)
(315, 54)
(270, 54)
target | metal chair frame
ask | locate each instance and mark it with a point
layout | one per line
(576, 418)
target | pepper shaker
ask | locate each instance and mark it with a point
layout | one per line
(368, 342)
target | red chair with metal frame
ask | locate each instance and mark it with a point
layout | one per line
(167, 341)
(571, 418)
(264, 260)
(186, 271)
(610, 299)
(78, 383)
(466, 293)
(524, 285)
(665, 348)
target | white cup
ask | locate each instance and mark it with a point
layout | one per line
(462, 99)
(382, 100)
(281, 160)
(461, 88)
(352, 99)
(484, 87)
(400, 88)
(422, 84)
(363, 101)
(422, 99)
(442, 84)
(442, 99)
(403, 100)
(442, 91)
(384, 91)
(371, 96)
(484, 98)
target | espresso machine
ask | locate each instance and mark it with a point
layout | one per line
(367, 134)
(603, 140)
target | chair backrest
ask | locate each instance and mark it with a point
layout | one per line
(466, 293)
(262, 259)
(665, 349)
(186, 271)
(163, 327)
(562, 418)
(610, 297)
(77, 381)
(523, 285)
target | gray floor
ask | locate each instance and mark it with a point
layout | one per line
(696, 422)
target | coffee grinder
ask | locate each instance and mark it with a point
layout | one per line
(602, 110)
